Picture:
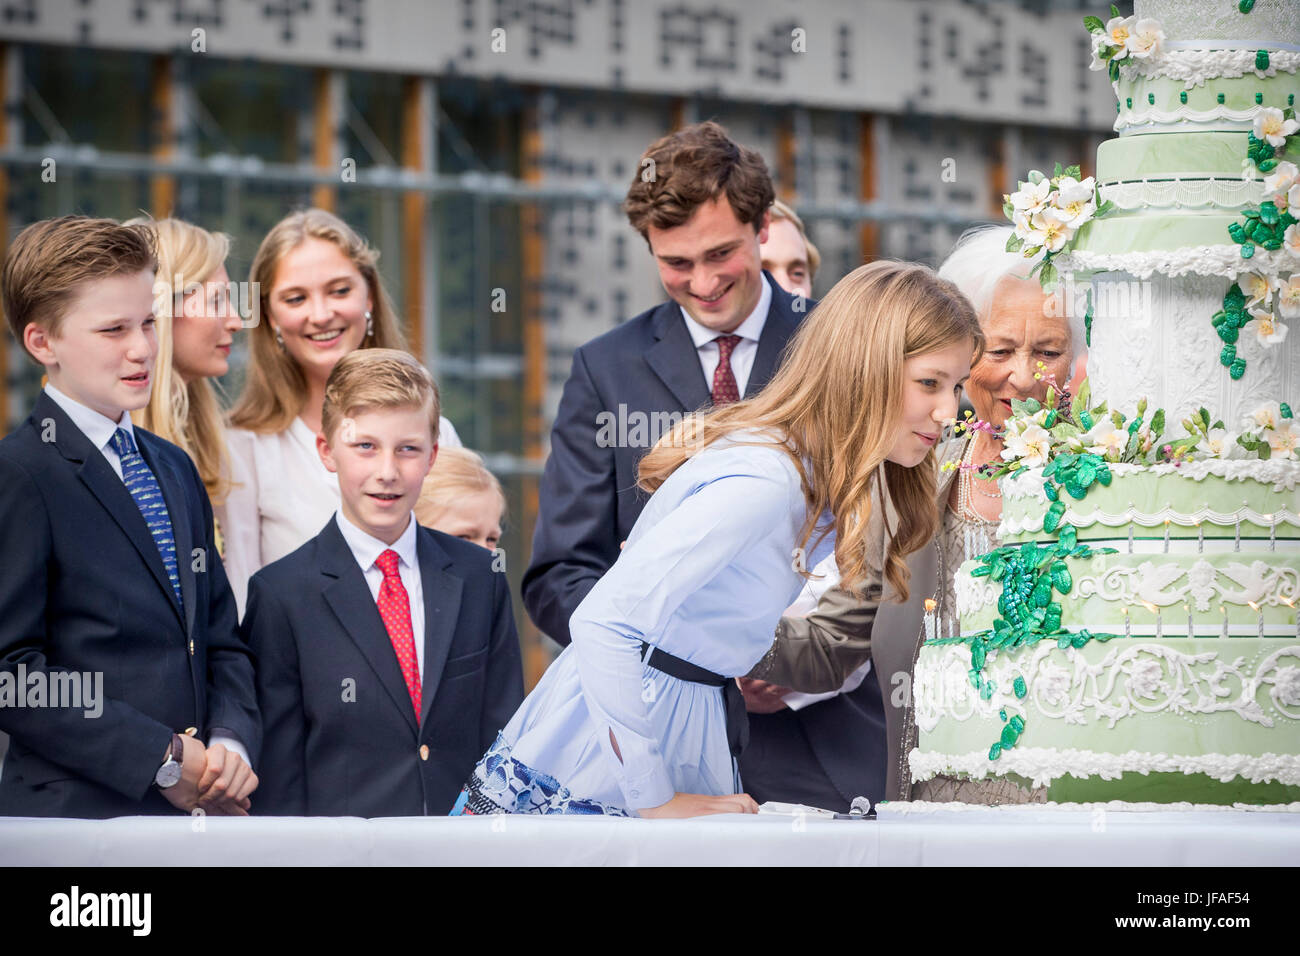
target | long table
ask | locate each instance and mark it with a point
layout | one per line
(903, 835)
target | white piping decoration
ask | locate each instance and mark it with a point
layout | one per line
(1194, 67)
(1280, 473)
(1157, 678)
(1034, 522)
(1045, 764)
(1260, 583)
(1222, 260)
(1184, 114)
(974, 594)
(1182, 193)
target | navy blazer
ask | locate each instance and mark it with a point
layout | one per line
(341, 735)
(589, 499)
(84, 589)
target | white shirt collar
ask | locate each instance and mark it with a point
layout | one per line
(96, 427)
(366, 548)
(751, 328)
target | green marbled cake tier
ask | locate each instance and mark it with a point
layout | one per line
(1183, 593)
(1220, 498)
(1172, 155)
(1203, 720)
(1156, 231)
(1175, 706)
(1162, 105)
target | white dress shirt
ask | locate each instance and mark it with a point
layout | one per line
(366, 548)
(825, 576)
(99, 430)
(94, 426)
(742, 356)
(281, 497)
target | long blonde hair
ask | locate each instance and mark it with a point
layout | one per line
(836, 401)
(275, 387)
(186, 414)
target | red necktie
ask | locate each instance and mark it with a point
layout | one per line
(724, 381)
(395, 609)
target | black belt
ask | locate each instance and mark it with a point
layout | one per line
(732, 700)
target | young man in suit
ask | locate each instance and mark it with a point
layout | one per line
(109, 580)
(387, 652)
(702, 203)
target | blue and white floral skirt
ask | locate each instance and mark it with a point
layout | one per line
(502, 784)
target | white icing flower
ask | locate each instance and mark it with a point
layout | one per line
(1288, 303)
(1098, 42)
(1145, 38)
(1279, 181)
(1031, 446)
(1273, 127)
(1144, 678)
(1286, 685)
(1292, 198)
(1221, 443)
(1105, 439)
(1031, 197)
(1076, 201)
(1118, 30)
(1046, 229)
(1284, 440)
(1264, 417)
(1256, 287)
(1291, 239)
(1267, 328)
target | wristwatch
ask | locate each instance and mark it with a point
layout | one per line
(169, 774)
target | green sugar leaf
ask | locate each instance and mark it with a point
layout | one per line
(1093, 24)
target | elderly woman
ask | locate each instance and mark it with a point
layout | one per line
(1028, 338)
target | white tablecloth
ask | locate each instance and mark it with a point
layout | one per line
(982, 836)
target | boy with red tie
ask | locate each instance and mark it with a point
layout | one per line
(109, 579)
(387, 652)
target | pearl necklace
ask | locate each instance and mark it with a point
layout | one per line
(964, 485)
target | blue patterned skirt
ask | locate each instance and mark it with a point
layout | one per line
(501, 784)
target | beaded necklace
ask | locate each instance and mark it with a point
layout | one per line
(965, 483)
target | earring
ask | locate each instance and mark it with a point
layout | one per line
(370, 324)
(279, 340)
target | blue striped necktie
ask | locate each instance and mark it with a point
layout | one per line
(149, 499)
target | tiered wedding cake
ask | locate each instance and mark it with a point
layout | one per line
(1137, 636)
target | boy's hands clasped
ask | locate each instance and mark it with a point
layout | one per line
(213, 778)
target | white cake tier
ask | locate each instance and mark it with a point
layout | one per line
(1219, 24)
(1153, 338)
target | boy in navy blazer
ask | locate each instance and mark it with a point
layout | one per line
(119, 645)
(387, 652)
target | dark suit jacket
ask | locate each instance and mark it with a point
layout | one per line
(335, 748)
(83, 589)
(589, 499)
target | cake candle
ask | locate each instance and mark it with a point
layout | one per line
(1128, 622)
(1260, 611)
(1166, 536)
(1224, 611)
(1236, 539)
(1130, 538)
(1272, 532)
(1190, 629)
(930, 625)
(1200, 538)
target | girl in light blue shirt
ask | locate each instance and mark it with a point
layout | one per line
(640, 715)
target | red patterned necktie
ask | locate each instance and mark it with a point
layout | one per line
(724, 381)
(395, 609)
